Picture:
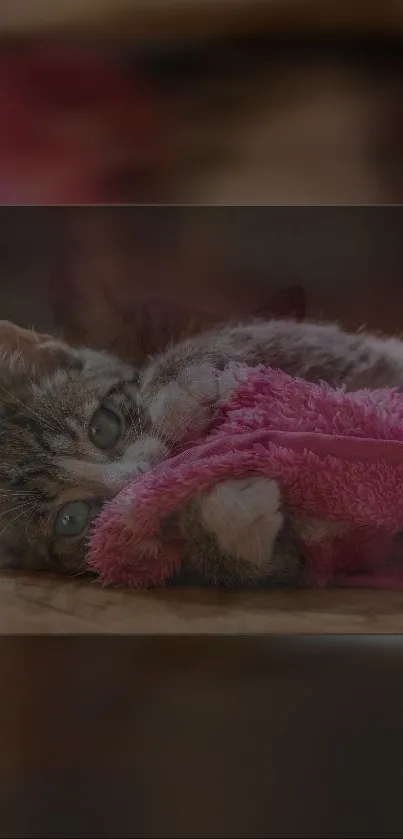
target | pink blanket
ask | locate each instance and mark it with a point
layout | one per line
(337, 456)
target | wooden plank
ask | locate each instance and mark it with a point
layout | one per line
(177, 19)
(41, 604)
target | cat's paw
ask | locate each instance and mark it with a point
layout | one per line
(185, 407)
(244, 516)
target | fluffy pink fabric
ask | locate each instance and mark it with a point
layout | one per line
(337, 456)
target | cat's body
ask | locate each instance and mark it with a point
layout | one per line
(192, 369)
(76, 425)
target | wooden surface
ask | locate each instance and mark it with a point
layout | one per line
(40, 604)
(173, 19)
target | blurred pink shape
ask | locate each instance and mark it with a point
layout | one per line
(75, 128)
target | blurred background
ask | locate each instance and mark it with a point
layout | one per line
(201, 737)
(201, 101)
(130, 279)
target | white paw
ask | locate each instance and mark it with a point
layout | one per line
(185, 407)
(230, 379)
(245, 518)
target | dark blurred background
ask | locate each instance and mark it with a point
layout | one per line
(201, 737)
(231, 101)
(130, 278)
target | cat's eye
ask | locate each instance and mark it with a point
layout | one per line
(72, 519)
(105, 428)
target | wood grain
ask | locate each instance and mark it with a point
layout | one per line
(45, 605)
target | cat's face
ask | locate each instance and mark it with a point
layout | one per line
(72, 433)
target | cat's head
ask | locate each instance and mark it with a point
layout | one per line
(72, 432)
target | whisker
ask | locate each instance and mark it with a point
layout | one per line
(16, 493)
(29, 520)
(27, 409)
(22, 512)
(25, 505)
(38, 393)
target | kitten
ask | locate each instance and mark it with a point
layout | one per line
(77, 424)
(70, 424)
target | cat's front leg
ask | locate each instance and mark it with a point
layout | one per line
(234, 531)
(182, 406)
(245, 517)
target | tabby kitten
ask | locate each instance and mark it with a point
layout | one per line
(72, 431)
(75, 425)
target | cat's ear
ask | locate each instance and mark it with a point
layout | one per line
(24, 351)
